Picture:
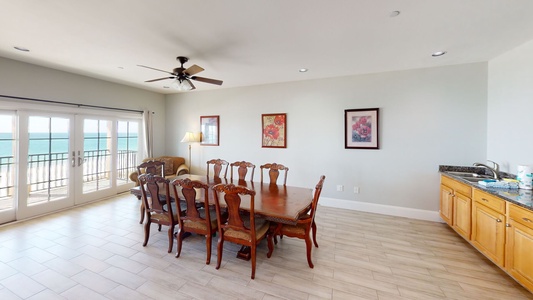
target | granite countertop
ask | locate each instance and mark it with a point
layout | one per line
(520, 197)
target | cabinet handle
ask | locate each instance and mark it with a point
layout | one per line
(484, 199)
(507, 225)
(498, 220)
(527, 220)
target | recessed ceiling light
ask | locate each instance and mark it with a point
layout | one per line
(166, 87)
(439, 53)
(303, 70)
(122, 68)
(394, 13)
(22, 49)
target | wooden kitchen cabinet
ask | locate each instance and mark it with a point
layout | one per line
(488, 226)
(519, 245)
(456, 205)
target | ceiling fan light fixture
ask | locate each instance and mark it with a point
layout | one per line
(181, 85)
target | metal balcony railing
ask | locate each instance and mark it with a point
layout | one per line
(47, 171)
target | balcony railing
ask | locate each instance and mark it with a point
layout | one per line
(47, 171)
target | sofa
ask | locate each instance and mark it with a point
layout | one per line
(174, 166)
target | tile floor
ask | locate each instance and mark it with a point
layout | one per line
(95, 252)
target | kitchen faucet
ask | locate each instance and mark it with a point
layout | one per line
(495, 169)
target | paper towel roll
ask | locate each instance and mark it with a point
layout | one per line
(525, 177)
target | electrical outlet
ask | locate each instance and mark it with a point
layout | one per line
(340, 188)
(356, 190)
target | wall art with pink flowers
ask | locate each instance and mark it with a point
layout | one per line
(274, 130)
(361, 128)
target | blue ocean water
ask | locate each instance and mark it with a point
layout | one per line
(40, 143)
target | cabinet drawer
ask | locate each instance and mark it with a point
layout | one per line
(520, 215)
(457, 186)
(489, 200)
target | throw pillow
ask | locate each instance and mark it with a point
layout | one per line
(169, 165)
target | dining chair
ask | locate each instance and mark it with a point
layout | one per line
(150, 167)
(303, 227)
(273, 172)
(194, 218)
(242, 227)
(242, 169)
(219, 166)
(158, 207)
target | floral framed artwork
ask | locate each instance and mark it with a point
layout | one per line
(361, 128)
(274, 130)
(210, 129)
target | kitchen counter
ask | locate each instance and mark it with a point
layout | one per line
(521, 197)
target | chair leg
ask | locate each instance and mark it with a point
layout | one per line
(220, 246)
(208, 248)
(179, 238)
(146, 232)
(159, 227)
(313, 226)
(309, 247)
(170, 237)
(254, 248)
(142, 213)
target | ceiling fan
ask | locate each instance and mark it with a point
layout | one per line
(183, 76)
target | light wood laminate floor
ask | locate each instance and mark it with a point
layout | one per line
(95, 252)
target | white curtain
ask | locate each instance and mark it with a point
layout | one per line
(148, 133)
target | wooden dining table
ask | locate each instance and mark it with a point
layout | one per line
(277, 203)
(274, 202)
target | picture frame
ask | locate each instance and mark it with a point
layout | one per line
(361, 128)
(210, 130)
(274, 130)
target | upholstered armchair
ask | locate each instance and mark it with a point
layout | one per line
(174, 166)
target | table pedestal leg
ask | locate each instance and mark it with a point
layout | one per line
(244, 253)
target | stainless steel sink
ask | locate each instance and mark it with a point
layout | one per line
(470, 176)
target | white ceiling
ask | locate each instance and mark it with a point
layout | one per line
(247, 42)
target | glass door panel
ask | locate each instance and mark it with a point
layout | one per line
(127, 148)
(97, 149)
(7, 167)
(48, 159)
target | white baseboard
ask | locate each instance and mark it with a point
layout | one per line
(398, 211)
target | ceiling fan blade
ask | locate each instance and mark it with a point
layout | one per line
(192, 85)
(193, 70)
(207, 80)
(156, 69)
(160, 79)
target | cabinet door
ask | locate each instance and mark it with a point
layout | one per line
(446, 204)
(488, 232)
(462, 215)
(519, 254)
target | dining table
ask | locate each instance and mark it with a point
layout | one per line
(274, 202)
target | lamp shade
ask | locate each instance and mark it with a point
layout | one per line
(190, 137)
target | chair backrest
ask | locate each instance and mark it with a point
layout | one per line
(316, 196)
(153, 201)
(232, 198)
(190, 189)
(152, 167)
(219, 166)
(242, 169)
(273, 172)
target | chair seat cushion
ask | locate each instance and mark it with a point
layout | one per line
(261, 227)
(192, 225)
(298, 229)
(158, 217)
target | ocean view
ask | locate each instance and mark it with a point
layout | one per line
(40, 143)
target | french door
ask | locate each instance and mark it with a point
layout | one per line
(52, 161)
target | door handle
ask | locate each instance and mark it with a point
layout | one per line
(73, 159)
